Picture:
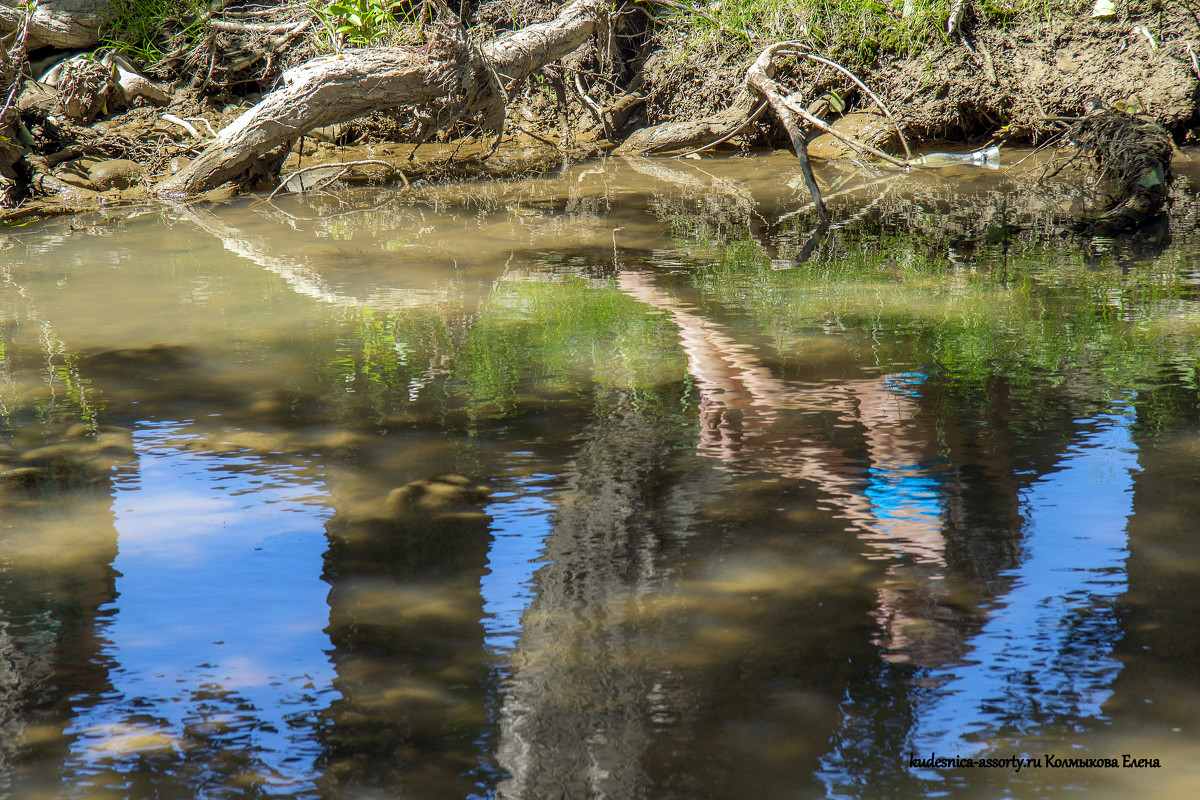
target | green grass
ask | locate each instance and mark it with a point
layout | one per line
(856, 31)
(142, 29)
(370, 23)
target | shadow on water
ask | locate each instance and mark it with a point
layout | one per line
(630, 481)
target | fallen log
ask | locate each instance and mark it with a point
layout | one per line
(690, 133)
(62, 24)
(448, 77)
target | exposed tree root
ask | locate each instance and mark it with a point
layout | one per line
(759, 77)
(448, 77)
(12, 59)
(1133, 159)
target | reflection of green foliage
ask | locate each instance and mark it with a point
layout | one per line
(1046, 320)
(550, 339)
(373, 357)
(78, 389)
(64, 397)
(532, 341)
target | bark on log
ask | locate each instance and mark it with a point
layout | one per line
(345, 86)
(692, 133)
(63, 24)
(321, 92)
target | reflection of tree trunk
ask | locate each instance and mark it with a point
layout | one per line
(1161, 642)
(740, 402)
(406, 624)
(56, 553)
(740, 399)
(576, 720)
(298, 269)
(625, 682)
(294, 267)
(51, 634)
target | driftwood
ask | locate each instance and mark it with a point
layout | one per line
(63, 24)
(760, 78)
(451, 78)
(690, 133)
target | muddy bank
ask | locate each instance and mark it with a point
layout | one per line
(103, 129)
(1010, 82)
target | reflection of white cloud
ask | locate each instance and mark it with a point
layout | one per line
(164, 524)
(246, 671)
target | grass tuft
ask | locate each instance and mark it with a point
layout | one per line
(858, 32)
(143, 29)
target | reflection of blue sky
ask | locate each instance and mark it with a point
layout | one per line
(907, 384)
(1043, 657)
(911, 493)
(216, 638)
(908, 493)
(901, 492)
(521, 522)
(1045, 650)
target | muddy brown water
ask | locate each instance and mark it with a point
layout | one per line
(755, 528)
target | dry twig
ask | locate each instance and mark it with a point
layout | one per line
(594, 108)
(759, 77)
(801, 50)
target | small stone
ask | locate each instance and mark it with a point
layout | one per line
(116, 173)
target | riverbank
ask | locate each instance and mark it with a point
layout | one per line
(139, 104)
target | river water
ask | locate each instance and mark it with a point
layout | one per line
(768, 513)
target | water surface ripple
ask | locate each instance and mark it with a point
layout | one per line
(627, 481)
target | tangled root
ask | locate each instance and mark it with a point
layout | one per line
(1132, 157)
